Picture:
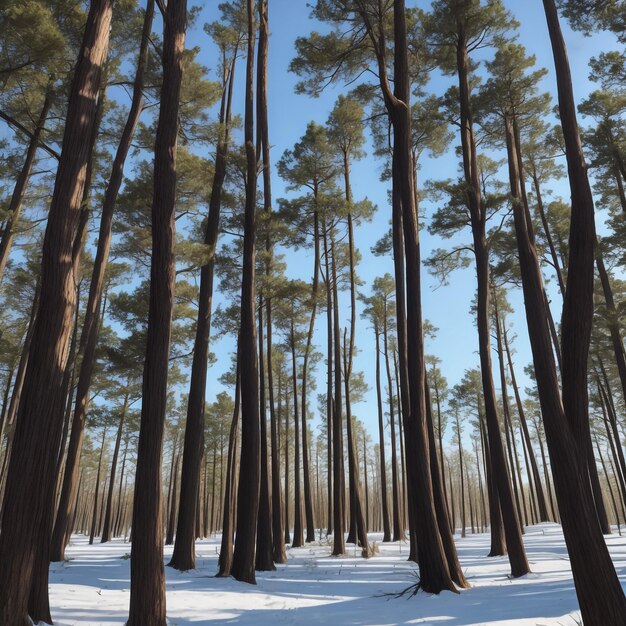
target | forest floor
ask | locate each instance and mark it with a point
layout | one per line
(92, 587)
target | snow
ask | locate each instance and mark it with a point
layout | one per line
(92, 587)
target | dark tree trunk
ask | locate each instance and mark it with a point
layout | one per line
(613, 436)
(172, 500)
(435, 575)
(395, 496)
(27, 521)
(507, 412)
(441, 509)
(546, 229)
(263, 148)
(442, 454)
(608, 483)
(248, 493)
(338, 477)
(264, 561)
(298, 535)
(118, 515)
(367, 492)
(286, 444)
(566, 421)
(480, 489)
(381, 444)
(308, 504)
(498, 546)
(478, 215)
(543, 509)
(225, 561)
(518, 468)
(355, 487)
(147, 588)
(461, 474)
(329, 384)
(596, 488)
(91, 327)
(106, 528)
(184, 555)
(68, 389)
(94, 515)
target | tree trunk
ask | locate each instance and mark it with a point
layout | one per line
(286, 438)
(355, 487)
(381, 444)
(303, 406)
(264, 561)
(600, 595)
(147, 588)
(478, 214)
(184, 555)
(91, 324)
(298, 535)
(94, 516)
(329, 384)
(395, 496)
(441, 453)
(543, 509)
(172, 500)
(434, 571)
(263, 148)
(461, 474)
(106, 529)
(507, 412)
(24, 545)
(118, 515)
(248, 493)
(441, 509)
(498, 546)
(608, 483)
(546, 229)
(225, 561)
(338, 477)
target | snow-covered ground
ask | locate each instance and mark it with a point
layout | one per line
(315, 588)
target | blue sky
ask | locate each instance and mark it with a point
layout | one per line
(445, 306)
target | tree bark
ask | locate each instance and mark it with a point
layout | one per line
(478, 215)
(225, 560)
(381, 443)
(600, 595)
(184, 555)
(435, 575)
(355, 487)
(263, 561)
(543, 509)
(147, 588)
(94, 515)
(26, 521)
(91, 324)
(248, 493)
(339, 546)
(395, 496)
(106, 528)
